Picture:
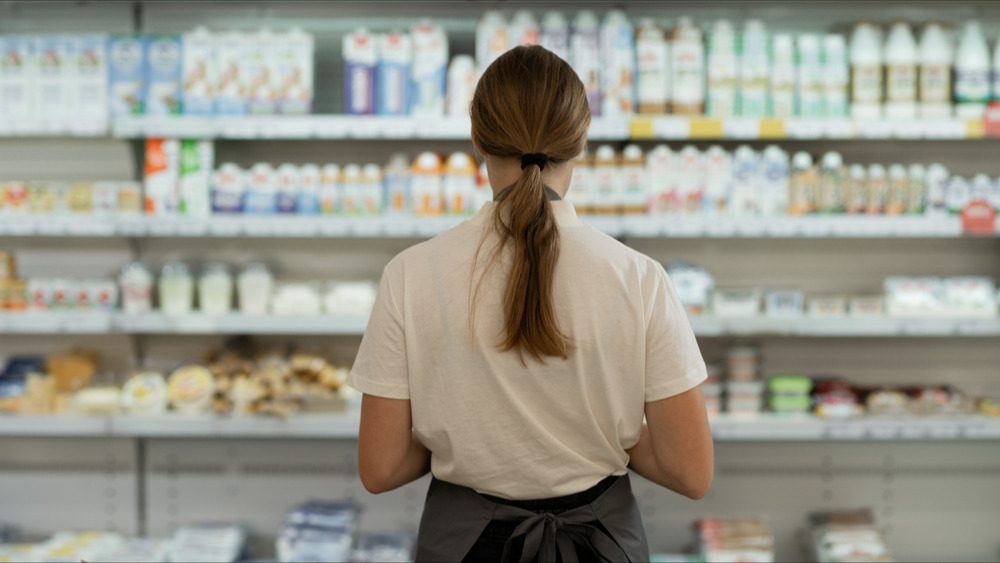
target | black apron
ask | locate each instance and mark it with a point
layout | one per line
(455, 516)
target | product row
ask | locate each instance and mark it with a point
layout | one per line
(180, 290)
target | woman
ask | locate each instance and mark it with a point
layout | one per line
(515, 355)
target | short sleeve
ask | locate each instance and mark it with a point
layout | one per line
(674, 363)
(380, 368)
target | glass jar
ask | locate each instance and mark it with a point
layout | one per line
(176, 289)
(215, 289)
(254, 287)
(136, 283)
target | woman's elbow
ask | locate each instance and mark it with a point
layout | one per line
(374, 479)
(697, 485)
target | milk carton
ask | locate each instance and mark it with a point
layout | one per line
(397, 185)
(425, 184)
(690, 180)
(196, 161)
(105, 196)
(329, 189)
(661, 173)
(261, 196)
(126, 75)
(360, 58)
(754, 70)
(523, 29)
(162, 176)
(809, 77)
(261, 73)
(718, 166)
(92, 76)
(774, 185)
(607, 194)
(462, 81)
(394, 69)
(491, 39)
(293, 72)
(200, 77)
(746, 182)
(309, 187)
(618, 64)
(163, 76)
(687, 67)
(459, 184)
(371, 189)
(231, 52)
(18, 67)
(937, 186)
(635, 187)
(351, 196)
(228, 187)
(721, 70)
(782, 76)
(653, 68)
(288, 188)
(581, 184)
(585, 56)
(430, 66)
(836, 76)
(55, 85)
(554, 34)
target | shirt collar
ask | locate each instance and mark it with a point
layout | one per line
(563, 210)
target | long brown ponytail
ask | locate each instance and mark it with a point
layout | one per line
(530, 101)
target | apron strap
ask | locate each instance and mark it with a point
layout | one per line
(546, 534)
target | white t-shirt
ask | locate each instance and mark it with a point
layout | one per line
(541, 430)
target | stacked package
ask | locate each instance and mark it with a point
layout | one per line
(730, 540)
(222, 543)
(318, 531)
(847, 536)
(744, 390)
(790, 394)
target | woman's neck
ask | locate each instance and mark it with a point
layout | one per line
(504, 172)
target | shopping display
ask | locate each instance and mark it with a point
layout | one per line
(748, 540)
(847, 535)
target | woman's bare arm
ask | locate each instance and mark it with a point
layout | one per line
(389, 455)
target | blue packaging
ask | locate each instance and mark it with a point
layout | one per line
(288, 188)
(163, 75)
(360, 58)
(309, 183)
(393, 79)
(261, 195)
(126, 75)
(228, 189)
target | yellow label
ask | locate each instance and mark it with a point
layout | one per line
(974, 129)
(704, 128)
(641, 128)
(772, 129)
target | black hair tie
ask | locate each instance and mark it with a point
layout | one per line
(534, 158)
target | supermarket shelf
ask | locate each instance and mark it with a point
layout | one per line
(764, 427)
(703, 325)
(672, 127)
(638, 226)
(55, 127)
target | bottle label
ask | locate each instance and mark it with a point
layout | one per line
(866, 84)
(688, 73)
(972, 85)
(901, 83)
(935, 84)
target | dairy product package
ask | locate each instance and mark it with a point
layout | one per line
(105, 203)
(91, 76)
(937, 186)
(831, 184)
(585, 56)
(934, 72)
(687, 67)
(351, 190)
(130, 198)
(197, 160)
(581, 184)
(652, 68)
(856, 194)
(199, 72)
(866, 72)
(803, 185)
(522, 29)
(261, 196)
(878, 189)
(972, 73)
(836, 76)
(228, 187)
(484, 192)
(554, 34)
(618, 64)
(491, 39)
(809, 77)
(607, 194)
(782, 76)
(261, 71)
(459, 184)
(661, 164)
(162, 176)
(293, 72)
(396, 179)
(360, 58)
(430, 67)
(18, 68)
(371, 189)
(635, 187)
(329, 189)
(900, 72)
(899, 190)
(309, 187)
(957, 194)
(395, 58)
(690, 180)
(232, 51)
(745, 198)
(721, 68)
(55, 80)
(982, 189)
(287, 177)
(718, 181)
(163, 75)
(461, 85)
(754, 70)
(774, 181)
(425, 184)
(917, 197)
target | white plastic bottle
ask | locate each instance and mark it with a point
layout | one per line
(809, 77)
(745, 198)
(866, 72)
(901, 72)
(754, 70)
(652, 68)
(718, 165)
(972, 73)
(396, 181)
(782, 77)
(934, 73)
(722, 70)
(831, 184)
(774, 181)
(937, 185)
(687, 67)
(690, 180)
(585, 56)
(554, 34)
(523, 28)
(618, 95)
(661, 165)
(491, 39)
